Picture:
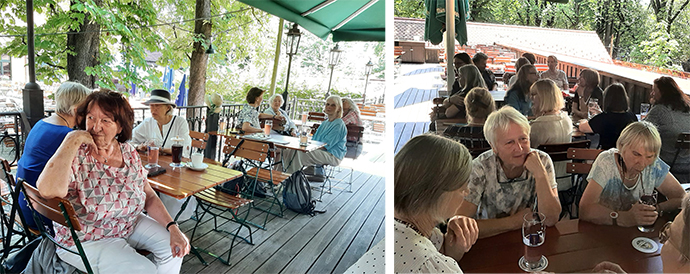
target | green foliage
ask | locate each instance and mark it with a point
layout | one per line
(409, 8)
(660, 48)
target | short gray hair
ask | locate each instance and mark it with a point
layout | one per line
(501, 120)
(424, 169)
(642, 132)
(274, 96)
(68, 95)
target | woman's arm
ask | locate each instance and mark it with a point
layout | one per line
(461, 235)
(584, 126)
(592, 211)
(673, 191)
(268, 116)
(248, 128)
(547, 196)
(179, 243)
(54, 179)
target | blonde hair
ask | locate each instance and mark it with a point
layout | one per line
(69, 95)
(338, 103)
(641, 132)
(479, 103)
(549, 94)
(353, 106)
(501, 120)
(425, 168)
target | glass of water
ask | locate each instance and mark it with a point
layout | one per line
(644, 109)
(533, 236)
(593, 107)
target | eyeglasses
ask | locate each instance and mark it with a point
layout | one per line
(523, 177)
(664, 233)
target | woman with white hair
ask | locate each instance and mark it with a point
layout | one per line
(45, 138)
(351, 116)
(619, 176)
(511, 179)
(332, 131)
(431, 174)
(288, 127)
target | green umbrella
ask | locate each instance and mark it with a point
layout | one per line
(435, 24)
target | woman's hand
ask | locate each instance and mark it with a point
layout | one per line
(83, 137)
(643, 214)
(179, 244)
(608, 267)
(461, 235)
(533, 164)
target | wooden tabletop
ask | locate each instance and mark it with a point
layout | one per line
(280, 141)
(184, 182)
(570, 246)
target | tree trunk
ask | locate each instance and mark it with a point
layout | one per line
(86, 46)
(197, 67)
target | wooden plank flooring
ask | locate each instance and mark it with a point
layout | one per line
(325, 243)
(404, 131)
(413, 96)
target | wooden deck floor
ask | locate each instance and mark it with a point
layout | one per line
(325, 243)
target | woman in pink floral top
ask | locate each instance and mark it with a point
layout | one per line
(102, 176)
(351, 115)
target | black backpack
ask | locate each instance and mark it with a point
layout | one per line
(297, 194)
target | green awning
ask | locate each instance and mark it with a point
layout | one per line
(435, 24)
(348, 20)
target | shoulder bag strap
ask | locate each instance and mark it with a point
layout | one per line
(168, 134)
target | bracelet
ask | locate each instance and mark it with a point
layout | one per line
(274, 116)
(167, 227)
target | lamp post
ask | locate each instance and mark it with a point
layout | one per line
(292, 45)
(367, 71)
(333, 59)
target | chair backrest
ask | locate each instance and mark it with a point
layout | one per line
(583, 155)
(199, 139)
(559, 151)
(251, 150)
(378, 127)
(316, 116)
(366, 112)
(682, 143)
(6, 178)
(51, 208)
(355, 131)
(314, 127)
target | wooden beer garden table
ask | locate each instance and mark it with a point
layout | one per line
(570, 246)
(183, 182)
(280, 141)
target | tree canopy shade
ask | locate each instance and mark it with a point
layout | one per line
(347, 20)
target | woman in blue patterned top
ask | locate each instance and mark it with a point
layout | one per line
(249, 115)
(333, 132)
(620, 175)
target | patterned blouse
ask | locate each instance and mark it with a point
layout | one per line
(250, 115)
(352, 118)
(107, 199)
(495, 195)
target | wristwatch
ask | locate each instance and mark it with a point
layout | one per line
(614, 218)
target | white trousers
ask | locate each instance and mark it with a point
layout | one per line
(118, 255)
(174, 205)
(300, 159)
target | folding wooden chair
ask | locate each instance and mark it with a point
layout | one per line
(558, 152)
(317, 116)
(199, 142)
(475, 142)
(255, 155)
(9, 225)
(216, 202)
(60, 211)
(580, 166)
(682, 143)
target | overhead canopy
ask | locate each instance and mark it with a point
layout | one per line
(348, 20)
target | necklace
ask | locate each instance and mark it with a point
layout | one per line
(410, 225)
(622, 169)
(63, 118)
(105, 159)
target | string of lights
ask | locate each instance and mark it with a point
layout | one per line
(136, 27)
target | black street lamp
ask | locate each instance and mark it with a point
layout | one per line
(292, 45)
(367, 71)
(333, 59)
(32, 95)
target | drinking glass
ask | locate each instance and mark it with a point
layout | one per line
(153, 157)
(533, 236)
(304, 136)
(176, 152)
(267, 127)
(644, 109)
(648, 199)
(593, 106)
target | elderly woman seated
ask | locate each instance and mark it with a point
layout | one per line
(511, 179)
(249, 115)
(551, 125)
(333, 132)
(478, 104)
(102, 176)
(431, 174)
(616, 116)
(619, 176)
(288, 127)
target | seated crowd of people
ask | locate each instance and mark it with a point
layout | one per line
(87, 153)
(438, 183)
